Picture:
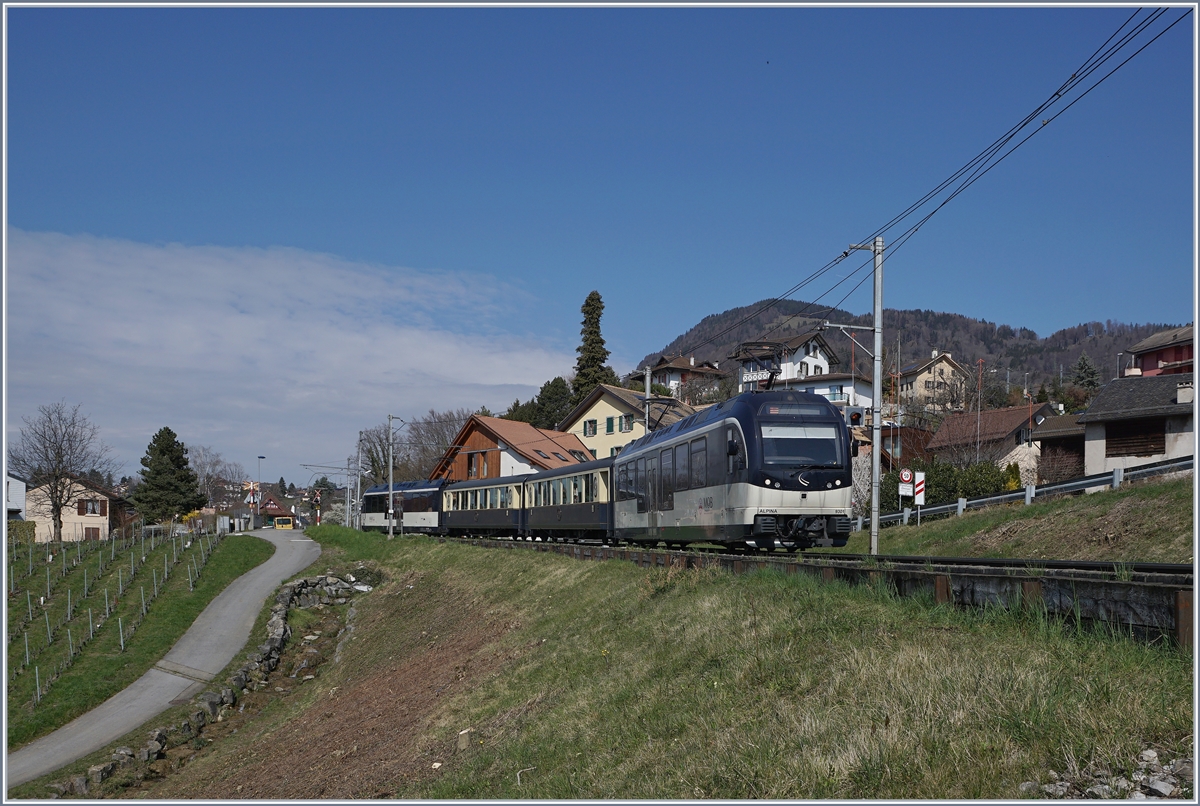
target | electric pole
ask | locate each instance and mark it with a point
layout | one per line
(877, 391)
(390, 488)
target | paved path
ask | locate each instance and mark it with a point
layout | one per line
(220, 632)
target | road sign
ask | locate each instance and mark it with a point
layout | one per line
(919, 489)
(906, 476)
(906, 490)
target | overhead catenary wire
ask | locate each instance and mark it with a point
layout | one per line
(982, 163)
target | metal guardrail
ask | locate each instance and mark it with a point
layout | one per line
(1113, 479)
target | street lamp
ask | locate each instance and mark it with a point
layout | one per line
(258, 493)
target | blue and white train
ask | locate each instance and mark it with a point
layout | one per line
(762, 470)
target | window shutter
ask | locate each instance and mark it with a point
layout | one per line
(104, 507)
(81, 507)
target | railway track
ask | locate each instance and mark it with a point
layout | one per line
(1152, 601)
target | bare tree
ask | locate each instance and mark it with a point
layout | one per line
(219, 480)
(1058, 464)
(961, 445)
(55, 448)
(417, 445)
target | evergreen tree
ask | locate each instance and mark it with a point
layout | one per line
(282, 486)
(522, 412)
(169, 486)
(553, 403)
(1087, 376)
(590, 370)
(1042, 396)
(291, 489)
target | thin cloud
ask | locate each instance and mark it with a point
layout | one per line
(275, 351)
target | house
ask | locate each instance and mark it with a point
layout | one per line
(92, 512)
(1062, 441)
(14, 497)
(1001, 436)
(611, 417)
(799, 359)
(1136, 421)
(1165, 353)
(492, 447)
(840, 388)
(900, 445)
(935, 382)
(682, 375)
(273, 506)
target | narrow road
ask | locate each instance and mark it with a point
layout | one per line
(208, 646)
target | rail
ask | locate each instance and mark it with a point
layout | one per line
(1113, 479)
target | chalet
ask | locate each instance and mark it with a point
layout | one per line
(799, 360)
(1137, 421)
(611, 417)
(92, 512)
(492, 447)
(679, 374)
(1165, 353)
(1001, 436)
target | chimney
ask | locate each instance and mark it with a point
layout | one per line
(934, 354)
(1133, 372)
(1185, 393)
(716, 365)
(692, 359)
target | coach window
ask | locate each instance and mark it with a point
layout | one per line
(699, 462)
(682, 478)
(738, 460)
(667, 474)
(576, 493)
(639, 484)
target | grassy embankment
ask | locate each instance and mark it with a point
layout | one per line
(603, 680)
(79, 665)
(1148, 521)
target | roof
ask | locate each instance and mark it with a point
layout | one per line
(792, 345)
(685, 365)
(523, 439)
(663, 411)
(917, 367)
(993, 424)
(1133, 398)
(1166, 338)
(1067, 425)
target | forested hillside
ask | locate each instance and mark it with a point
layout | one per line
(1002, 347)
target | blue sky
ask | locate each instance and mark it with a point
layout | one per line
(295, 221)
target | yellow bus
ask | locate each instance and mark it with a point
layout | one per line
(284, 523)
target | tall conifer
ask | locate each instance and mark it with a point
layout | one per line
(590, 370)
(169, 485)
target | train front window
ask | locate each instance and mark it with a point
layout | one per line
(807, 445)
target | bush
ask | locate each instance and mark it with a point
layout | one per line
(981, 479)
(22, 531)
(1012, 477)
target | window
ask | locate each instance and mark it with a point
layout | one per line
(928, 384)
(613, 451)
(541, 453)
(559, 456)
(682, 477)
(91, 533)
(699, 462)
(581, 456)
(639, 484)
(818, 371)
(666, 463)
(626, 423)
(593, 452)
(472, 465)
(608, 425)
(589, 428)
(92, 506)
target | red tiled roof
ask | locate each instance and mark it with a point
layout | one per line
(994, 424)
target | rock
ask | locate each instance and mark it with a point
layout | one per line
(1160, 787)
(79, 785)
(1183, 768)
(238, 681)
(154, 748)
(144, 754)
(99, 772)
(1028, 787)
(1149, 756)
(1121, 785)
(1056, 790)
(210, 702)
(159, 735)
(363, 588)
(123, 751)
(1136, 795)
(198, 719)
(228, 697)
(1102, 791)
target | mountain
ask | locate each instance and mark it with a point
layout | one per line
(1004, 347)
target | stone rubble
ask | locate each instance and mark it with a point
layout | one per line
(325, 589)
(1149, 781)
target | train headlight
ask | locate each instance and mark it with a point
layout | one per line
(778, 485)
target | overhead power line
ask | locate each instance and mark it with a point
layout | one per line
(982, 163)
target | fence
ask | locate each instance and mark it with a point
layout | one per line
(1033, 491)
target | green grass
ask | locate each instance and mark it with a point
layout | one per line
(1146, 522)
(604, 680)
(100, 669)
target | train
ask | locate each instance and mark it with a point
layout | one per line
(763, 470)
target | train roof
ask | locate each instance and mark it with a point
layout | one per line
(422, 486)
(726, 408)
